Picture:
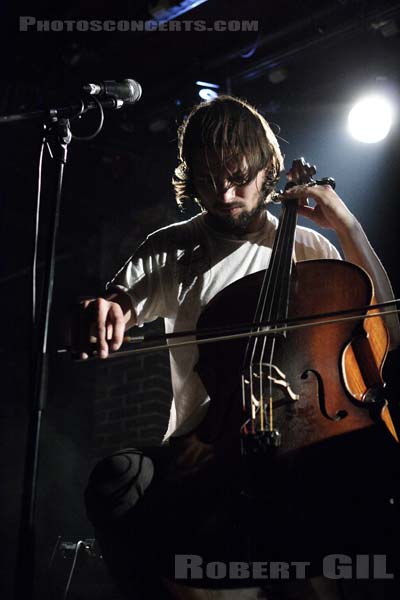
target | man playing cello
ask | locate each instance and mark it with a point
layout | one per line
(145, 505)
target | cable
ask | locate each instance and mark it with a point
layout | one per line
(67, 587)
(36, 232)
(85, 138)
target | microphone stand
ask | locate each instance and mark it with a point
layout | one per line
(67, 112)
(25, 566)
(57, 129)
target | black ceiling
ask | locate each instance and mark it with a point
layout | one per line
(310, 38)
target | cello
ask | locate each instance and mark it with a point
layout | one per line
(285, 391)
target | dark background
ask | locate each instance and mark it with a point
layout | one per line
(117, 189)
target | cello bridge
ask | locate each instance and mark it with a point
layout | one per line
(258, 385)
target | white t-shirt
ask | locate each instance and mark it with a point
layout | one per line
(178, 270)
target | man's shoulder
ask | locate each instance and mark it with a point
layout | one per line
(177, 233)
(311, 244)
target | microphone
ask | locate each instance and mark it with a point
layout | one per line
(127, 90)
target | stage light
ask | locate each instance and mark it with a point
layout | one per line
(207, 94)
(371, 118)
(166, 10)
(208, 90)
(207, 84)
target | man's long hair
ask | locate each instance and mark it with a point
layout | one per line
(237, 134)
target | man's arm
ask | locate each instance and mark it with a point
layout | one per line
(359, 251)
(331, 212)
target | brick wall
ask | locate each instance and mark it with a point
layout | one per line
(131, 401)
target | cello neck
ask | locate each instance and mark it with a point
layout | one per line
(276, 300)
(273, 299)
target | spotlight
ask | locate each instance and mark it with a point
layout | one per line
(371, 118)
(208, 90)
(207, 84)
(207, 94)
(166, 10)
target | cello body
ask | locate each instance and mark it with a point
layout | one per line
(326, 379)
(287, 387)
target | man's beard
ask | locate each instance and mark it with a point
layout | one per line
(237, 225)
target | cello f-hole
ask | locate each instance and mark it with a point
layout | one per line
(340, 414)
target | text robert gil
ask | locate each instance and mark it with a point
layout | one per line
(334, 566)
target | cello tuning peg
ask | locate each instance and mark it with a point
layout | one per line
(309, 170)
(301, 172)
(327, 181)
(276, 196)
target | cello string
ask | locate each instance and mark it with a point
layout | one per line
(275, 306)
(276, 311)
(286, 246)
(263, 294)
(267, 293)
(274, 299)
(270, 307)
(264, 291)
(271, 272)
(269, 297)
(283, 300)
(261, 401)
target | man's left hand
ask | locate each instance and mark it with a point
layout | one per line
(329, 211)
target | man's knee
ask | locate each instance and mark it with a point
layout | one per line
(116, 484)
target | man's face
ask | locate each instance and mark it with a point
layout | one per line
(231, 207)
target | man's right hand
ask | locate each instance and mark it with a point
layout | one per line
(101, 323)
